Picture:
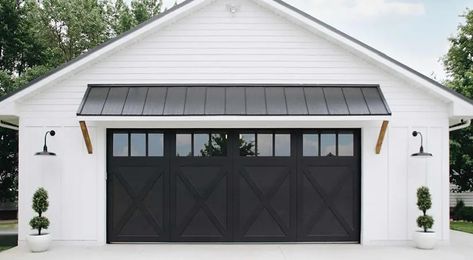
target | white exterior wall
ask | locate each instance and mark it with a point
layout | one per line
(253, 46)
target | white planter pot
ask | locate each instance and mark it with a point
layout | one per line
(38, 243)
(425, 240)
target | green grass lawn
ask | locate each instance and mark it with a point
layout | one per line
(8, 224)
(462, 226)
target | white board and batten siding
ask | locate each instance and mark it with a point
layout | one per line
(252, 46)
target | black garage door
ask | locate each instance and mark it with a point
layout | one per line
(233, 185)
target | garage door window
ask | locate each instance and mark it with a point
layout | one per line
(345, 144)
(156, 145)
(328, 144)
(265, 145)
(310, 145)
(138, 144)
(120, 145)
(282, 145)
(218, 145)
(201, 145)
(183, 145)
(247, 144)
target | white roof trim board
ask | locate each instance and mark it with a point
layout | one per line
(462, 105)
(286, 121)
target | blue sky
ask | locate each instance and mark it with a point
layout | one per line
(414, 32)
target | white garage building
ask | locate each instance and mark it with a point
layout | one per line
(241, 120)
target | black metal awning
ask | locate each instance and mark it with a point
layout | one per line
(101, 100)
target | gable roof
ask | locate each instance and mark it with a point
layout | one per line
(278, 5)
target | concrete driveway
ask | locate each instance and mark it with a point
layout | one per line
(461, 247)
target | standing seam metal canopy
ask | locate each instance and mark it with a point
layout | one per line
(232, 100)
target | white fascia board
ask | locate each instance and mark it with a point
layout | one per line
(232, 121)
(461, 110)
(230, 118)
(9, 108)
(365, 52)
(102, 51)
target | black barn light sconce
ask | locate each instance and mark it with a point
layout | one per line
(45, 147)
(421, 152)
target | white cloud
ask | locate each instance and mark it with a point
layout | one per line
(357, 9)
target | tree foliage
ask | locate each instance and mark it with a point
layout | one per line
(424, 203)
(21, 45)
(73, 26)
(145, 9)
(247, 148)
(39, 35)
(40, 205)
(8, 165)
(120, 17)
(459, 66)
(216, 147)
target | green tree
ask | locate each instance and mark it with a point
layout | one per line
(74, 26)
(120, 17)
(40, 205)
(459, 66)
(21, 46)
(145, 9)
(8, 165)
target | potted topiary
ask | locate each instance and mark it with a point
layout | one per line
(424, 239)
(40, 241)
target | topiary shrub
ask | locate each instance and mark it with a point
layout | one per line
(424, 202)
(40, 205)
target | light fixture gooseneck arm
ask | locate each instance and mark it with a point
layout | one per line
(51, 133)
(421, 142)
(45, 147)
